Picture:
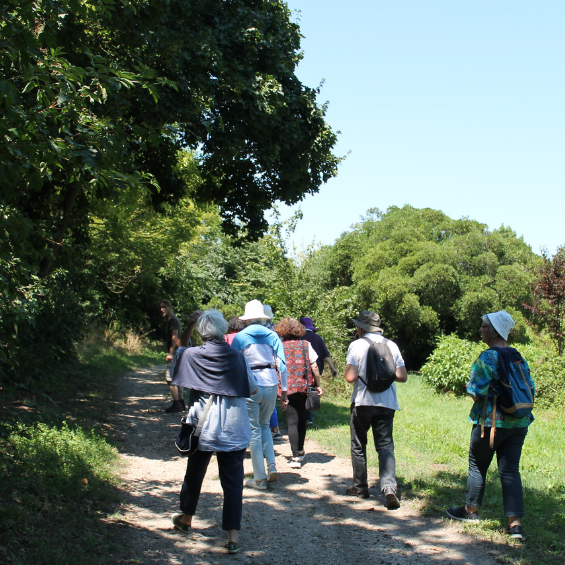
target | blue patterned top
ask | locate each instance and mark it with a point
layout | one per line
(485, 375)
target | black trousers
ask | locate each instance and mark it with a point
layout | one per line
(296, 420)
(230, 465)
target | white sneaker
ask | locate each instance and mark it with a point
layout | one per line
(272, 475)
(252, 483)
(301, 455)
(295, 463)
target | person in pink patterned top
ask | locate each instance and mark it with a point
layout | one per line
(302, 371)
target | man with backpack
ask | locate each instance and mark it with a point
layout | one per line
(373, 365)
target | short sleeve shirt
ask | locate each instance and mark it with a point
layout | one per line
(357, 356)
(173, 323)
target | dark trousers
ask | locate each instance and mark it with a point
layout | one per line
(508, 448)
(230, 465)
(380, 420)
(296, 420)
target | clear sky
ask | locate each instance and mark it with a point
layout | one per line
(456, 105)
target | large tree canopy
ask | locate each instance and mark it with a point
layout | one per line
(101, 98)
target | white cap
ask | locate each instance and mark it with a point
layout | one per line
(502, 322)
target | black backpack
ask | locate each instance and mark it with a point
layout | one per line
(380, 370)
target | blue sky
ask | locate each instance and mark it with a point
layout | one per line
(456, 105)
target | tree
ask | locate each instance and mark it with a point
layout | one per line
(426, 274)
(99, 99)
(549, 293)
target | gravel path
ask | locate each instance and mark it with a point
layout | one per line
(302, 519)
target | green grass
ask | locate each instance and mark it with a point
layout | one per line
(431, 435)
(58, 481)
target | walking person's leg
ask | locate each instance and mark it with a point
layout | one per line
(196, 467)
(382, 425)
(230, 466)
(360, 421)
(256, 443)
(265, 411)
(508, 455)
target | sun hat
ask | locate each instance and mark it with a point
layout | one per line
(268, 311)
(254, 311)
(502, 322)
(368, 321)
(308, 324)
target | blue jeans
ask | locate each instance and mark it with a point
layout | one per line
(508, 448)
(259, 408)
(380, 420)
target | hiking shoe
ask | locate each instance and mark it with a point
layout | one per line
(392, 502)
(179, 525)
(360, 492)
(515, 532)
(460, 513)
(176, 406)
(295, 463)
(272, 475)
(277, 436)
(233, 547)
(252, 483)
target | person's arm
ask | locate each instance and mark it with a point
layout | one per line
(185, 336)
(316, 373)
(351, 373)
(329, 361)
(174, 337)
(401, 375)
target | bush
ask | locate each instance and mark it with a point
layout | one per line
(448, 367)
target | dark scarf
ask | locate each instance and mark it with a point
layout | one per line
(213, 367)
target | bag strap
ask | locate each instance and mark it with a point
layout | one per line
(306, 359)
(202, 419)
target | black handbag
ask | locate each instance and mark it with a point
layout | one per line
(312, 396)
(313, 399)
(189, 435)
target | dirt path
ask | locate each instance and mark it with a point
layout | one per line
(302, 519)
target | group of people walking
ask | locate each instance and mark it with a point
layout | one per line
(237, 375)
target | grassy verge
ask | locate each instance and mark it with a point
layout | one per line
(58, 482)
(431, 443)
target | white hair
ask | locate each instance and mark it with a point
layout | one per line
(211, 324)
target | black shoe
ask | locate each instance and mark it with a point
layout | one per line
(392, 502)
(360, 492)
(515, 532)
(176, 406)
(183, 404)
(460, 513)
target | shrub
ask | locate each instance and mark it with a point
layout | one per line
(447, 369)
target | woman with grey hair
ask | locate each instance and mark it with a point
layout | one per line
(495, 431)
(215, 368)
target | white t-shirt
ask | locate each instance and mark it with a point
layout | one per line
(357, 355)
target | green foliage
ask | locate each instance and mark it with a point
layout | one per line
(100, 102)
(448, 367)
(50, 463)
(428, 275)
